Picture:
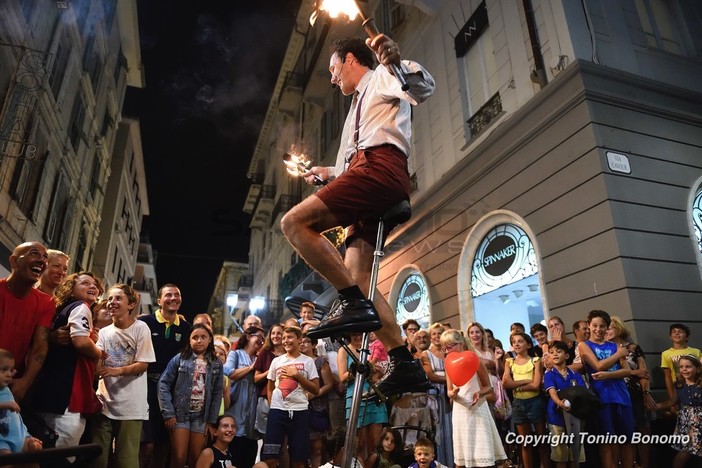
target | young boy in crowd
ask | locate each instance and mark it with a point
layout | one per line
(555, 379)
(290, 376)
(14, 437)
(424, 455)
(679, 335)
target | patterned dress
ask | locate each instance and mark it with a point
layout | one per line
(690, 419)
(476, 441)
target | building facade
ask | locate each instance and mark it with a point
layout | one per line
(126, 203)
(64, 69)
(557, 168)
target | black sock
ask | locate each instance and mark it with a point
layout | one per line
(401, 353)
(352, 292)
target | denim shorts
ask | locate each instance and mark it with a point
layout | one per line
(529, 410)
(194, 423)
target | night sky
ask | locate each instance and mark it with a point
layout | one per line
(210, 66)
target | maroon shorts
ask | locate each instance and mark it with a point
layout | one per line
(376, 180)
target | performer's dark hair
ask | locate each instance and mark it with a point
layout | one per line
(357, 47)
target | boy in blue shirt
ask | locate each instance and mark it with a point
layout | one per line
(558, 378)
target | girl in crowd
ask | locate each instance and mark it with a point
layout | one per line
(388, 451)
(319, 412)
(272, 348)
(372, 415)
(476, 441)
(638, 384)
(433, 363)
(221, 353)
(217, 454)
(523, 375)
(240, 369)
(688, 395)
(606, 364)
(69, 370)
(190, 394)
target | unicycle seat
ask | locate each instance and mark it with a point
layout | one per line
(398, 214)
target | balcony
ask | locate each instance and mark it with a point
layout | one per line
(292, 279)
(291, 94)
(254, 193)
(284, 204)
(261, 215)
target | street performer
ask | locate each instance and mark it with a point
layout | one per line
(370, 177)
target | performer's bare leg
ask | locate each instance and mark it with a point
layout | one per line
(301, 226)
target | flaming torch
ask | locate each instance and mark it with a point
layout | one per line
(351, 9)
(298, 164)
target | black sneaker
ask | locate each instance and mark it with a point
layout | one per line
(347, 315)
(402, 377)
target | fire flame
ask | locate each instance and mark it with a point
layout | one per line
(340, 7)
(298, 164)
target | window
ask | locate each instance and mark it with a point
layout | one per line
(114, 259)
(27, 176)
(58, 69)
(57, 210)
(95, 177)
(672, 25)
(92, 62)
(76, 123)
(82, 247)
(474, 51)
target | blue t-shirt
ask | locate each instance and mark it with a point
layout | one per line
(12, 429)
(554, 379)
(608, 390)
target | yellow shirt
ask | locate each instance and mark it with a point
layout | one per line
(523, 372)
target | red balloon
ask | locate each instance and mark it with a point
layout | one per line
(461, 367)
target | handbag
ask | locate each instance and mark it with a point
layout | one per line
(503, 407)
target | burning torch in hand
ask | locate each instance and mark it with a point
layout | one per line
(298, 165)
(351, 8)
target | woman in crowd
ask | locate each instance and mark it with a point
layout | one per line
(240, 369)
(433, 363)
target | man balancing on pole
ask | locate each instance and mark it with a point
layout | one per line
(370, 177)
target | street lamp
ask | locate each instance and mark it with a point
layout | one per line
(257, 303)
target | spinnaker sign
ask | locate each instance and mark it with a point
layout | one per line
(499, 255)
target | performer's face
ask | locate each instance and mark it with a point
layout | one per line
(340, 73)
